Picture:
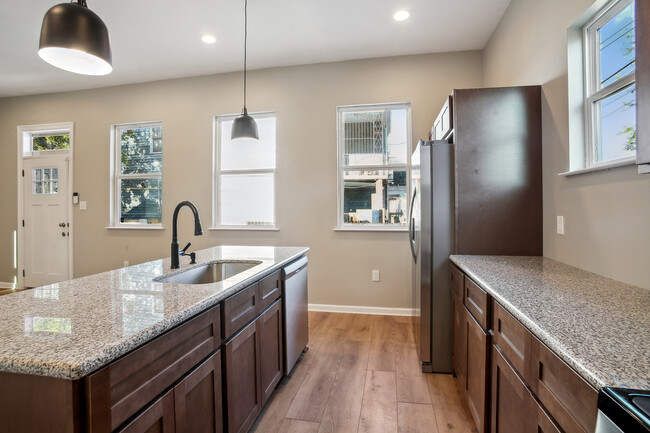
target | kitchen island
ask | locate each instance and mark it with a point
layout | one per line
(58, 342)
(541, 338)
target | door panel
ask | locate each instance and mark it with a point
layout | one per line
(47, 232)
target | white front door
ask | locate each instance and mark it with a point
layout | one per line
(47, 228)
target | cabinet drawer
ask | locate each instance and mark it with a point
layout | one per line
(121, 389)
(270, 289)
(476, 301)
(513, 339)
(239, 309)
(457, 280)
(570, 400)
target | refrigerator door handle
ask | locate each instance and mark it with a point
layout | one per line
(412, 227)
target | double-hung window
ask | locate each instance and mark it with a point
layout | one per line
(373, 165)
(244, 175)
(136, 190)
(610, 92)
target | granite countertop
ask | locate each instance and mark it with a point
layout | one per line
(599, 326)
(70, 329)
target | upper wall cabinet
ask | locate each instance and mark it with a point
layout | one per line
(643, 85)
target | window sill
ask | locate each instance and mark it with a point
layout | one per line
(600, 167)
(371, 229)
(134, 228)
(245, 228)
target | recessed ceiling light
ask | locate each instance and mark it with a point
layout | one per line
(209, 39)
(401, 15)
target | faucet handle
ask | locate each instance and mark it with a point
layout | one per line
(185, 248)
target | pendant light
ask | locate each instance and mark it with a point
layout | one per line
(244, 126)
(75, 39)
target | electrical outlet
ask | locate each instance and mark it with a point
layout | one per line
(126, 263)
(375, 275)
(560, 225)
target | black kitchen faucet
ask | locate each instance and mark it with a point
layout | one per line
(198, 231)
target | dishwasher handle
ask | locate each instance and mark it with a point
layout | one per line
(294, 268)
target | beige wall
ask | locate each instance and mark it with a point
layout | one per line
(607, 213)
(305, 100)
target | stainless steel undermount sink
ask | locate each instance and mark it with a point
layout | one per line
(208, 273)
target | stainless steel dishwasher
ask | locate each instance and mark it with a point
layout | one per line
(296, 318)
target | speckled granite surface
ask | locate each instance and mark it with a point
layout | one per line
(598, 326)
(70, 329)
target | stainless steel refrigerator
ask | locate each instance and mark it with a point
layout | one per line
(431, 234)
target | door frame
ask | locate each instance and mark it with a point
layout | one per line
(23, 132)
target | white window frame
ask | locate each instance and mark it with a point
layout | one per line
(217, 172)
(593, 95)
(116, 176)
(341, 167)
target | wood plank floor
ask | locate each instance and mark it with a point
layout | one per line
(361, 375)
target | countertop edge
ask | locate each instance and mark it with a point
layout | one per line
(536, 330)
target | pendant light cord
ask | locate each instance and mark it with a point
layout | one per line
(245, 44)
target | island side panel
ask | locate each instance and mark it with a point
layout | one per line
(40, 404)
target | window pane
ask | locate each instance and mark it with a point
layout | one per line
(375, 137)
(141, 201)
(141, 150)
(247, 199)
(375, 197)
(617, 125)
(617, 54)
(247, 153)
(43, 143)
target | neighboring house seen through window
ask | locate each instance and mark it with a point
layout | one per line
(373, 165)
(137, 175)
(244, 175)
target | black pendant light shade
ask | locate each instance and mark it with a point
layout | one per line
(75, 39)
(244, 126)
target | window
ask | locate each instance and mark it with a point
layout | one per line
(137, 175)
(244, 175)
(610, 93)
(43, 140)
(374, 157)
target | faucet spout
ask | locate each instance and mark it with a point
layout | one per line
(198, 230)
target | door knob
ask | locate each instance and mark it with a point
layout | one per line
(63, 234)
(61, 224)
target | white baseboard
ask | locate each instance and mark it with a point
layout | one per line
(6, 285)
(359, 309)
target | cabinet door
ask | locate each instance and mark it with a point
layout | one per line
(477, 367)
(513, 406)
(271, 362)
(243, 385)
(158, 418)
(197, 399)
(459, 355)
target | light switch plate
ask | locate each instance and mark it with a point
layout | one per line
(82, 205)
(560, 225)
(375, 275)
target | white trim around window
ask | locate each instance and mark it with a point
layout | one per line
(268, 137)
(585, 92)
(117, 176)
(342, 166)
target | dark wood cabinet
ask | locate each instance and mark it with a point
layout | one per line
(513, 408)
(498, 168)
(197, 399)
(477, 371)
(443, 125)
(157, 418)
(242, 379)
(271, 362)
(459, 339)
(643, 85)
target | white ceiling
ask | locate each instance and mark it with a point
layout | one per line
(160, 39)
